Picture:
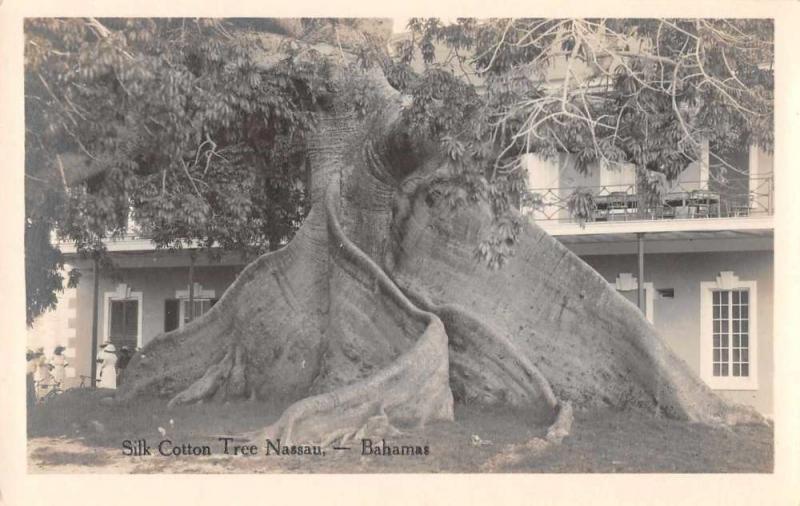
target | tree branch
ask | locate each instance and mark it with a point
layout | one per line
(98, 27)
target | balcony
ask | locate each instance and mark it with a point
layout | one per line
(686, 200)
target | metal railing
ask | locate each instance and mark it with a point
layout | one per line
(132, 232)
(744, 197)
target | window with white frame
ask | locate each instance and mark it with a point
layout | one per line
(200, 307)
(728, 334)
(202, 301)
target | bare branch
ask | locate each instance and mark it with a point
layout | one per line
(61, 171)
(98, 27)
(191, 179)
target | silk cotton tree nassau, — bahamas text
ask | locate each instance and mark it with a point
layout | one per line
(412, 283)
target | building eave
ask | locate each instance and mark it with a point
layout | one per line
(704, 226)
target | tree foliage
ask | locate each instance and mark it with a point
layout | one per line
(168, 122)
(648, 92)
(198, 125)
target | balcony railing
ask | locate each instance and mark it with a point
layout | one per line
(681, 200)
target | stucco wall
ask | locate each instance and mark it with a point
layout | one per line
(71, 324)
(678, 319)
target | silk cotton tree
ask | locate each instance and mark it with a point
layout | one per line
(413, 283)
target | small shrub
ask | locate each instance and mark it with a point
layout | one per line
(581, 205)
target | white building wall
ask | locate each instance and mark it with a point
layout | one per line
(678, 319)
(70, 324)
(57, 327)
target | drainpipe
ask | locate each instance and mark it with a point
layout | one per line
(95, 302)
(640, 290)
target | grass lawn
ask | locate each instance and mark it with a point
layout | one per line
(75, 432)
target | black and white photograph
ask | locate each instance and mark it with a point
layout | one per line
(400, 245)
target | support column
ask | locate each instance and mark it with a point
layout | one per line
(544, 177)
(95, 303)
(760, 183)
(705, 164)
(190, 314)
(640, 285)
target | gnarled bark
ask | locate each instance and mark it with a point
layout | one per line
(594, 346)
(377, 314)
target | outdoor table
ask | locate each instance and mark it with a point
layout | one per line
(694, 204)
(701, 202)
(615, 204)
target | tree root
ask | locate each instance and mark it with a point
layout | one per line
(563, 424)
(174, 361)
(375, 426)
(411, 390)
(226, 377)
(477, 349)
(594, 347)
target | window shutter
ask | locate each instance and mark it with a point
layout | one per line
(117, 320)
(171, 314)
(131, 319)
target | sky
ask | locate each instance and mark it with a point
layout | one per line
(400, 25)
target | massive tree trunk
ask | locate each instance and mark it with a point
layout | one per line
(377, 314)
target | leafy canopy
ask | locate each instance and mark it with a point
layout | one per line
(169, 122)
(179, 121)
(648, 92)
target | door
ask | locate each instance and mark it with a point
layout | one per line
(124, 328)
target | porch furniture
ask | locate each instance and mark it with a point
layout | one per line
(745, 205)
(740, 210)
(677, 203)
(615, 206)
(703, 203)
